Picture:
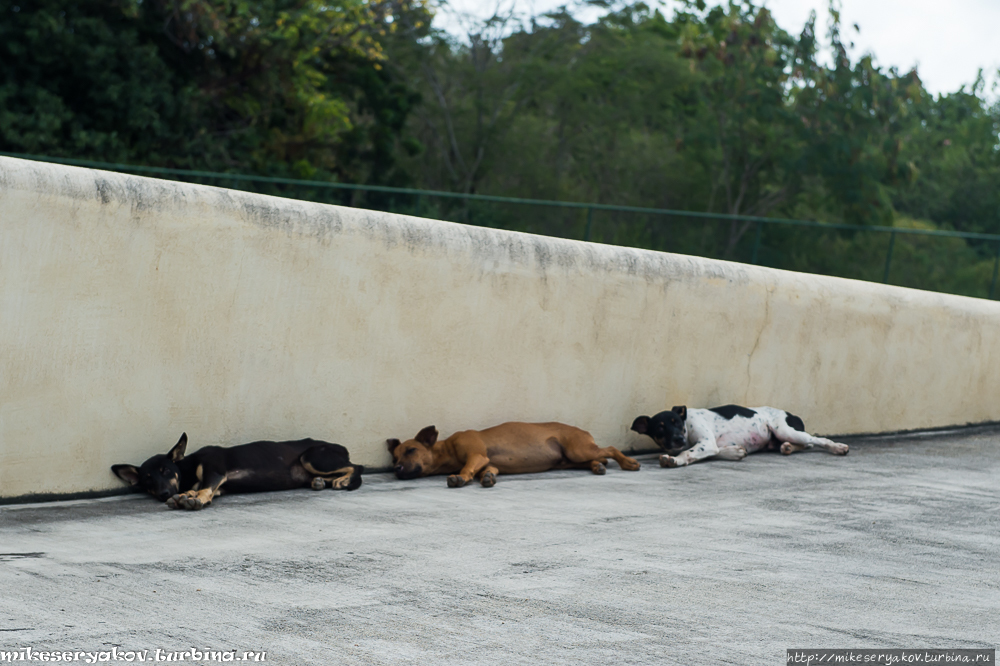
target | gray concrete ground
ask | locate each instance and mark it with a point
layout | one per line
(896, 545)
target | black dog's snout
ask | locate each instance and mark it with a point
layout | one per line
(163, 496)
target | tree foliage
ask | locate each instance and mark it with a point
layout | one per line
(257, 85)
(714, 109)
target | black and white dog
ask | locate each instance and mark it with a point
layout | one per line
(729, 433)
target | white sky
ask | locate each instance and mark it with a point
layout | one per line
(947, 39)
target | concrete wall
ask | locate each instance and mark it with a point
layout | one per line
(133, 309)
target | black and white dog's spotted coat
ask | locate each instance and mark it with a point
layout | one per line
(729, 433)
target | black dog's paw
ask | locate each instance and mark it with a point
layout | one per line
(489, 480)
(667, 461)
(318, 483)
(455, 481)
(174, 502)
(192, 503)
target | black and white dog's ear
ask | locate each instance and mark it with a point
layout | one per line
(681, 411)
(641, 425)
(127, 473)
(427, 436)
(391, 444)
(177, 452)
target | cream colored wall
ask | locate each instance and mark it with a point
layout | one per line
(133, 309)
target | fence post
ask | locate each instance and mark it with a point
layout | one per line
(756, 243)
(590, 221)
(888, 258)
(996, 265)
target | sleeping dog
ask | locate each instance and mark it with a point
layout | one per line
(509, 448)
(192, 482)
(729, 433)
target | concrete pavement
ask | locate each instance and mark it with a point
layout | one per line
(896, 545)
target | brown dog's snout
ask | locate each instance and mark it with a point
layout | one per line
(403, 473)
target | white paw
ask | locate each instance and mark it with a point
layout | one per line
(733, 453)
(839, 449)
(668, 461)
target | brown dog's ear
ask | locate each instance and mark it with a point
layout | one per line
(681, 411)
(641, 425)
(177, 452)
(427, 436)
(127, 473)
(391, 444)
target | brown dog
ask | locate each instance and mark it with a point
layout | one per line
(509, 448)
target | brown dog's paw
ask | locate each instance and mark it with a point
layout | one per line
(631, 465)
(488, 480)
(455, 481)
(318, 483)
(667, 461)
(598, 468)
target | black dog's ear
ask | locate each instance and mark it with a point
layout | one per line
(681, 411)
(127, 473)
(427, 436)
(641, 425)
(177, 452)
(391, 444)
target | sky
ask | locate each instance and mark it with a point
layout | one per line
(948, 40)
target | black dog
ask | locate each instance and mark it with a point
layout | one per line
(192, 482)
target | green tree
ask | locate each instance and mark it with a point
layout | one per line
(273, 86)
(953, 153)
(855, 118)
(753, 137)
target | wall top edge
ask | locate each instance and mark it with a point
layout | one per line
(324, 221)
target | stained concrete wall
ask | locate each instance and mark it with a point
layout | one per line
(133, 309)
